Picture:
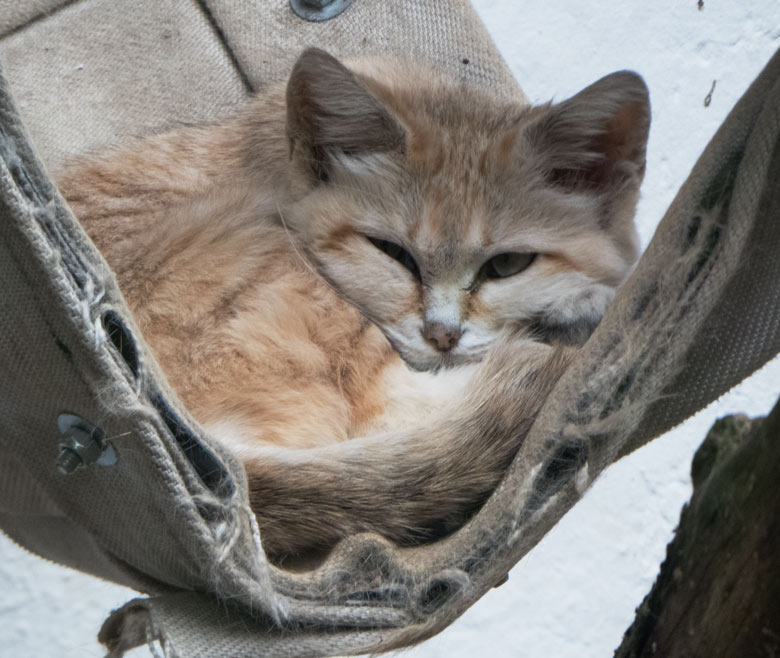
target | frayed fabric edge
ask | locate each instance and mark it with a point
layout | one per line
(130, 627)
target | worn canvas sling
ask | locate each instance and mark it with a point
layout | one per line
(162, 509)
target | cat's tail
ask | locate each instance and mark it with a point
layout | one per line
(414, 485)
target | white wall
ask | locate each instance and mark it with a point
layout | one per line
(575, 594)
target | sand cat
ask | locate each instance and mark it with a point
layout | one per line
(362, 284)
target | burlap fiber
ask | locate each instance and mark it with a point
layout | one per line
(170, 517)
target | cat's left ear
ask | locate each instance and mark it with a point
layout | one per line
(597, 140)
(330, 109)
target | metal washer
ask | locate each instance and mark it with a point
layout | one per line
(319, 10)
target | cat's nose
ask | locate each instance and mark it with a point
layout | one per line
(442, 336)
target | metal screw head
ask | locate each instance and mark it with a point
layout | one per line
(82, 444)
(319, 10)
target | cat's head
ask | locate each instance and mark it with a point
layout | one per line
(445, 215)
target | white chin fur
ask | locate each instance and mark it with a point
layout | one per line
(438, 360)
(420, 356)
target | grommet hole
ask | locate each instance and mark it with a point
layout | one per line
(437, 594)
(121, 339)
(206, 464)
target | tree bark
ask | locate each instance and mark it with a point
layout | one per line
(718, 591)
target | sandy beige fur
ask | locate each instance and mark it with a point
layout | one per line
(314, 276)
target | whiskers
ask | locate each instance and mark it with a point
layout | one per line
(294, 246)
(307, 263)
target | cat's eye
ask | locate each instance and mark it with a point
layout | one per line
(504, 265)
(397, 252)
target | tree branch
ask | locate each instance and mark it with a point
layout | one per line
(718, 592)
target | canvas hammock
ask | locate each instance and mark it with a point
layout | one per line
(165, 510)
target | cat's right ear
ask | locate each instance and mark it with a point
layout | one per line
(597, 139)
(329, 109)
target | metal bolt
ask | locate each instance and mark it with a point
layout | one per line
(82, 444)
(319, 10)
(68, 461)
